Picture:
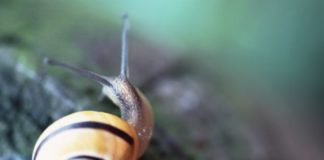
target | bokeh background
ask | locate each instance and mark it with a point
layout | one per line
(228, 80)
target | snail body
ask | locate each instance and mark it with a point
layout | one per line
(97, 135)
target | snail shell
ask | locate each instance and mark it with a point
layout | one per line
(88, 135)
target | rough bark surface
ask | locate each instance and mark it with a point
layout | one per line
(190, 122)
(29, 104)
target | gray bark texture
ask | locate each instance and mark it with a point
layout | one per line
(186, 126)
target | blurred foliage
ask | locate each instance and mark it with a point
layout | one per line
(245, 43)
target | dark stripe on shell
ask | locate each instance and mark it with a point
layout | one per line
(92, 125)
(85, 157)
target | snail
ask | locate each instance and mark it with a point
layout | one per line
(97, 135)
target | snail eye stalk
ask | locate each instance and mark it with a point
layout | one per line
(85, 73)
(124, 70)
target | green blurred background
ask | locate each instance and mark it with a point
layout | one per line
(263, 59)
